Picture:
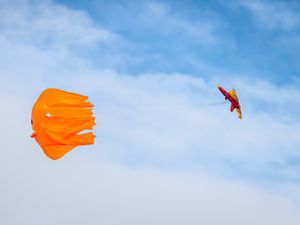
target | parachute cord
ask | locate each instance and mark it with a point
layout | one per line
(213, 104)
(217, 103)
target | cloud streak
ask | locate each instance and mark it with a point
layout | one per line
(273, 15)
(44, 23)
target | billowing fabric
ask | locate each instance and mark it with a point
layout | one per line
(232, 97)
(59, 119)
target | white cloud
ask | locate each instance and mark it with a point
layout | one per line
(180, 103)
(41, 36)
(70, 192)
(168, 20)
(43, 23)
(83, 188)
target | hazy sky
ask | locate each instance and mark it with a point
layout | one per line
(165, 154)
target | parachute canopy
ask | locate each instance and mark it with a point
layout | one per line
(58, 120)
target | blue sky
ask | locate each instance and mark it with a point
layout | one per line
(164, 153)
(250, 37)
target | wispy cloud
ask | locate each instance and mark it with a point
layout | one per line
(160, 19)
(46, 31)
(157, 36)
(273, 14)
(44, 23)
(168, 119)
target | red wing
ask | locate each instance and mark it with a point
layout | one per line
(232, 107)
(225, 93)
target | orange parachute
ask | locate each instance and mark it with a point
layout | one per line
(58, 120)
